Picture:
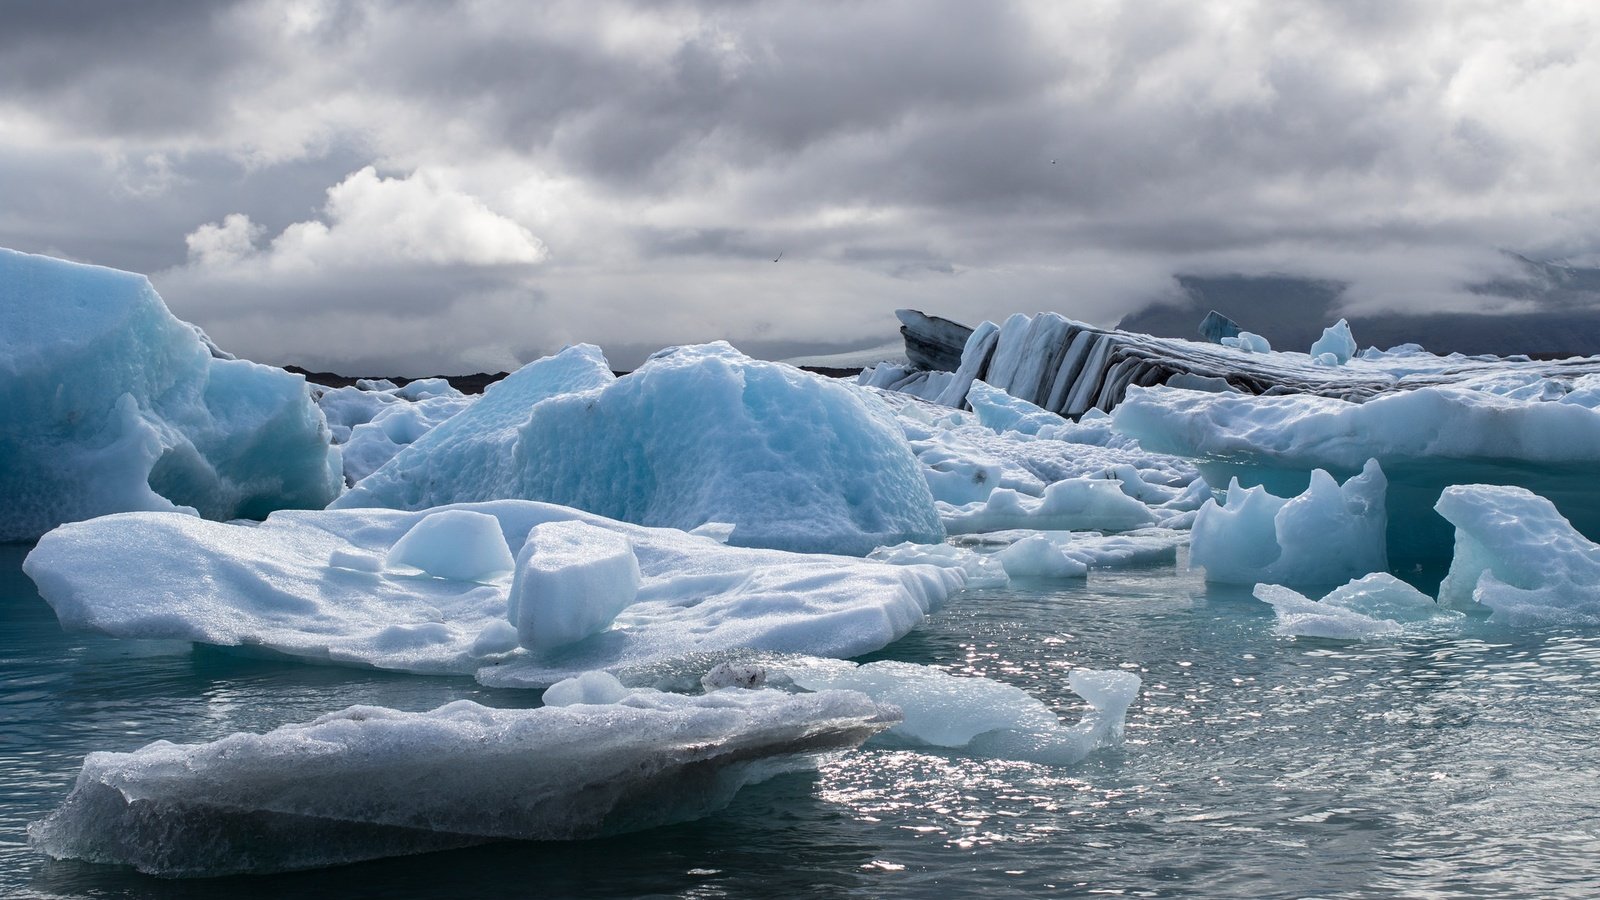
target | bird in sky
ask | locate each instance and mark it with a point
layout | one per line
(778, 257)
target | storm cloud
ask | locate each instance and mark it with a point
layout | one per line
(415, 187)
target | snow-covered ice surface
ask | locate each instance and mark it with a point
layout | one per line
(979, 715)
(697, 434)
(109, 403)
(1516, 555)
(370, 782)
(1326, 535)
(1377, 605)
(314, 585)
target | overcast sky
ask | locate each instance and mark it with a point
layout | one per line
(417, 187)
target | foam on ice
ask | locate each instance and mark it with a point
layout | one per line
(313, 585)
(109, 403)
(695, 435)
(371, 782)
(979, 715)
(1326, 535)
(1519, 557)
(1378, 605)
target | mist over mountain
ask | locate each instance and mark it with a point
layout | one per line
(1291, 311)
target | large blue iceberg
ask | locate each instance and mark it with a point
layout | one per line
(697, 435)
(109, 403)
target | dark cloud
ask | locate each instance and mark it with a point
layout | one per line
(988, 157)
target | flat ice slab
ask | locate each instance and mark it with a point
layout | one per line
(313, 585)
(371, 782)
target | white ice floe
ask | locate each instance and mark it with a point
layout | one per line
(981, 716)
(109, 403)
(1516, 555)
(371, 782)
(695, 435)
(1037, 556)
(1072, 504)
(313, 585)
(1378, 605)
(1326, 535)
(1248, 341)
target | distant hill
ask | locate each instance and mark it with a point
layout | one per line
(1291, 313)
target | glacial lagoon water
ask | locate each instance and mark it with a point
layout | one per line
(1462, 764)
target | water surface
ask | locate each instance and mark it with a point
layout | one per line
(1463, 764)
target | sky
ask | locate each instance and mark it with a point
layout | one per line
(428, 187)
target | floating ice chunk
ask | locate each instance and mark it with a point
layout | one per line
(697, 434)
(496, 638)
(982, 716)
(1375, 606)
(1036, 556)
(1324, 536)
(1146, 546)
(1000, 411)
(572, 580)
(108, 403)
(587, 688)
(980, 571)
(453, 543)
(1336, 340)
(370, 782)
(1518, 556)
(1248, 341)
(1086, 504)
(271, 587)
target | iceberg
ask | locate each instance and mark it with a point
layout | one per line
(373, 421)
(1337, 342)
(697, 434)
(370, 782)
(109, 403)
(1326, 535)
(981, 716)
(1516, 555)
(1426, 439)
(1378, 605)
(314, 585)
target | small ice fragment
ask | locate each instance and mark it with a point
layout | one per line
(571, 581)
(458, 544)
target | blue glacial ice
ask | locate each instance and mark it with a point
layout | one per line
(1494, 430)
(697, 434)
(374, 420)
(370, 782)
(1516, 555)
(109, 403)
(1326, 535)
(319, 585)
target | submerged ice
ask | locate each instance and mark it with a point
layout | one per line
(109, 403)
(370, 782)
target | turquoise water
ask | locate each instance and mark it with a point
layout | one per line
(1255, 766)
